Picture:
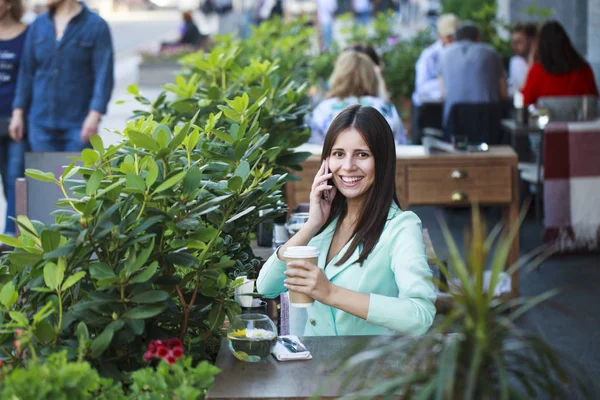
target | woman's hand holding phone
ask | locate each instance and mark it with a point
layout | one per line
(321, 196)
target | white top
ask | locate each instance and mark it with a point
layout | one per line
(325, 11)
(427, 86)
(517, 73)
(326, 111)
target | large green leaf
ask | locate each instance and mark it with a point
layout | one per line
(192, 180)
(73, 279)
(137, 262)
(102, 341)
(145, 274)
(151, 296)
(243, 170)
(19, 318)
(145, 311)
(53, 275)
(241, 214)
(101, 271)
(8, 295)
(144, 141)
(152, 174)
(135, 182)
(50, 240)
(94, 182)
(41, 176)
(11, 241)
(169, 183)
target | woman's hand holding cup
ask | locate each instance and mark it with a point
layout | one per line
(321, 197)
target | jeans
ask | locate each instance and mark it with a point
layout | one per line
(43, 139)
(12, 160)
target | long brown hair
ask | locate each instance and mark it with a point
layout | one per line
(557, 53)
(378, 135)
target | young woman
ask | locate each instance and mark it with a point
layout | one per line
(12, 150)
(372, 275)
(561, 70)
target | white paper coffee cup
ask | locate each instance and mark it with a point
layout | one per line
(307, 253)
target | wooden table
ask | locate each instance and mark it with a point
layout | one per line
(272, 379)
(444, 179)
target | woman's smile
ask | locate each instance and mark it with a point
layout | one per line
(352, 164)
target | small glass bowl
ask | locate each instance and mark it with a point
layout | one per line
(251, 337)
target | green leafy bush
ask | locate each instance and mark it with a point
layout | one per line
(59, 379)
(144, 251)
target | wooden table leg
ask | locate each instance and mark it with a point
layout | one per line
(511, 219)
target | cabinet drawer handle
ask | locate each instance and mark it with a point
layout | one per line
(458, 174)
(459, 196)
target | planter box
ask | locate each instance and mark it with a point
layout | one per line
(157, 73)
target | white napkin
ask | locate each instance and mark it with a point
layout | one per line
(281, 352)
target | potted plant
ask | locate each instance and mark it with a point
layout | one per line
(476, 351)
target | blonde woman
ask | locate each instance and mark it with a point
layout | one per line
(354, 81)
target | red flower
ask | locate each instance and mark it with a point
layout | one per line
(148, 355)
(170, 359)
(18, 332)
(177, 352)
(172, 343)
(162, 351)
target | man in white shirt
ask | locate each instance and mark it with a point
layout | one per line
(522, 38)
(427, 85)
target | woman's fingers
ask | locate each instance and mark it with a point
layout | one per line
(296, 288)
(301, 264)
(320, 189)
(319, 180)
(296, 272)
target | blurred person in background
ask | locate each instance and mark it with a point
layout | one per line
(560, 71)
(470, 71)
(189, 33)
(370, 51)
(324, 16)
(427, 85)
(12, 40)
(354, 81)
(522, 40)
(65, 79)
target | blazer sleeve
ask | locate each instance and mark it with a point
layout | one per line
(413, 311)
(271, 277)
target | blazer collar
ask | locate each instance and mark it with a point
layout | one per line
(332, 270)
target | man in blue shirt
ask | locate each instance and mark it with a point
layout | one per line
(470, 71)
(66, 78)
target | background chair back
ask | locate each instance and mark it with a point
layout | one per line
(570, 108)
(480, 122)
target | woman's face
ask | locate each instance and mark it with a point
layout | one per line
(352, 164)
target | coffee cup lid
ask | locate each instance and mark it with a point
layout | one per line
(301, 252)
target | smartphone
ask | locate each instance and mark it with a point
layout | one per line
(329, 181)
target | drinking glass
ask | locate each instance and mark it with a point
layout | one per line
(251, 337)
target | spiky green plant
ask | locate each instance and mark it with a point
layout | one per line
(477, 351)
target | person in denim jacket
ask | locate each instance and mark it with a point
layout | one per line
(66, 78)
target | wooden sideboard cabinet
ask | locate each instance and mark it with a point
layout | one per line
(444, 179)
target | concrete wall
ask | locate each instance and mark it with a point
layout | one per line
(581, 19)
(573, 14)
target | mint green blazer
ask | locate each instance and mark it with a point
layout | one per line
(396, 275)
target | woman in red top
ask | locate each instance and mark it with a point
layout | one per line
(560, 71)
